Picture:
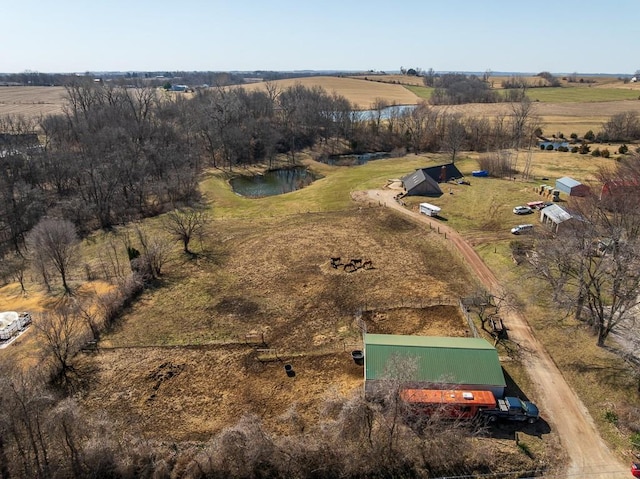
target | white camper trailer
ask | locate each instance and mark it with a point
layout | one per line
(11, 323)
(429, 210)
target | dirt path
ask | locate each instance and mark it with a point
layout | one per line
(588, 455)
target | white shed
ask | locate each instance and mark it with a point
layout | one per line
(553, 216)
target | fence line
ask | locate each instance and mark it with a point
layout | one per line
(411, 303)
(467, 316)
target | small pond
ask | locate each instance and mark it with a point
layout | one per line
(272, 182)
(385, 113)
(543, 145)
(353, 160)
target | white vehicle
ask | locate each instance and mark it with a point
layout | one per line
(522, 210)
(522, 229)
(429, 210)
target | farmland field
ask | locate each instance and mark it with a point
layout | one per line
(360, 92)
(31, 101)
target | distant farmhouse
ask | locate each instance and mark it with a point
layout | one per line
(425, 181)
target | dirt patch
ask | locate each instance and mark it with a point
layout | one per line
(189, 394)
(431, 321)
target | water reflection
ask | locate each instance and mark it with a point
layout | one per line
(353, 160)
(272, 182)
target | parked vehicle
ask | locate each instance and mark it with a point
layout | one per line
(536, 205)
(522, 229)
(512, 409)
(429, 209)
(522, 210)
(635, 469)
(459, 404)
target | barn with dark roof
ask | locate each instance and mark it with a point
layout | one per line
(425, 181)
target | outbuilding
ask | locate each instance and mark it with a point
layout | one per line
(424, 181)
(553, 216)
(571, 187)
(431, 362)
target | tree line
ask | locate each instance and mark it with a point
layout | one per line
(119, 154)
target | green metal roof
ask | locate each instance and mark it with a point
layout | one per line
(439, 359)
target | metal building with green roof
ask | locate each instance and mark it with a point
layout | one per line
(440, 362)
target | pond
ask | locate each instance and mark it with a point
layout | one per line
(272, 182)
(385, 113)
(543, 145)
(353, 160)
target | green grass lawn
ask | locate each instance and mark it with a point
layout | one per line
(580, 94)
(422, 92)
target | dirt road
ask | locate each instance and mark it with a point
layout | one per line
(588, 455)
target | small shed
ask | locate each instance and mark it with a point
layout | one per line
(424, 181)
(571, 187)
(435, 363)
(553, 216)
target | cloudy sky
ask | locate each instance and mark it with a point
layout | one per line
(453, 35)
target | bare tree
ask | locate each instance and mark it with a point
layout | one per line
(25, 404)
(523, 122)
(55, 241)
(62, 332)
(13, 267)
(455, 136)
(155, 251)
(184, 224)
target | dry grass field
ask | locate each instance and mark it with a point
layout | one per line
(31, 102)
(186, 360)
(360, 92)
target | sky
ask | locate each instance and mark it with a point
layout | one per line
(561, 36)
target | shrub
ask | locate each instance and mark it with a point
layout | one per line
(573, 136)
(635, 440)
(584, 149)
(499, 164)
(611, 416)
(623, 149)
(596, 152)
(563, 149)
(605, 153)
(574, 149)
(589, 136)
